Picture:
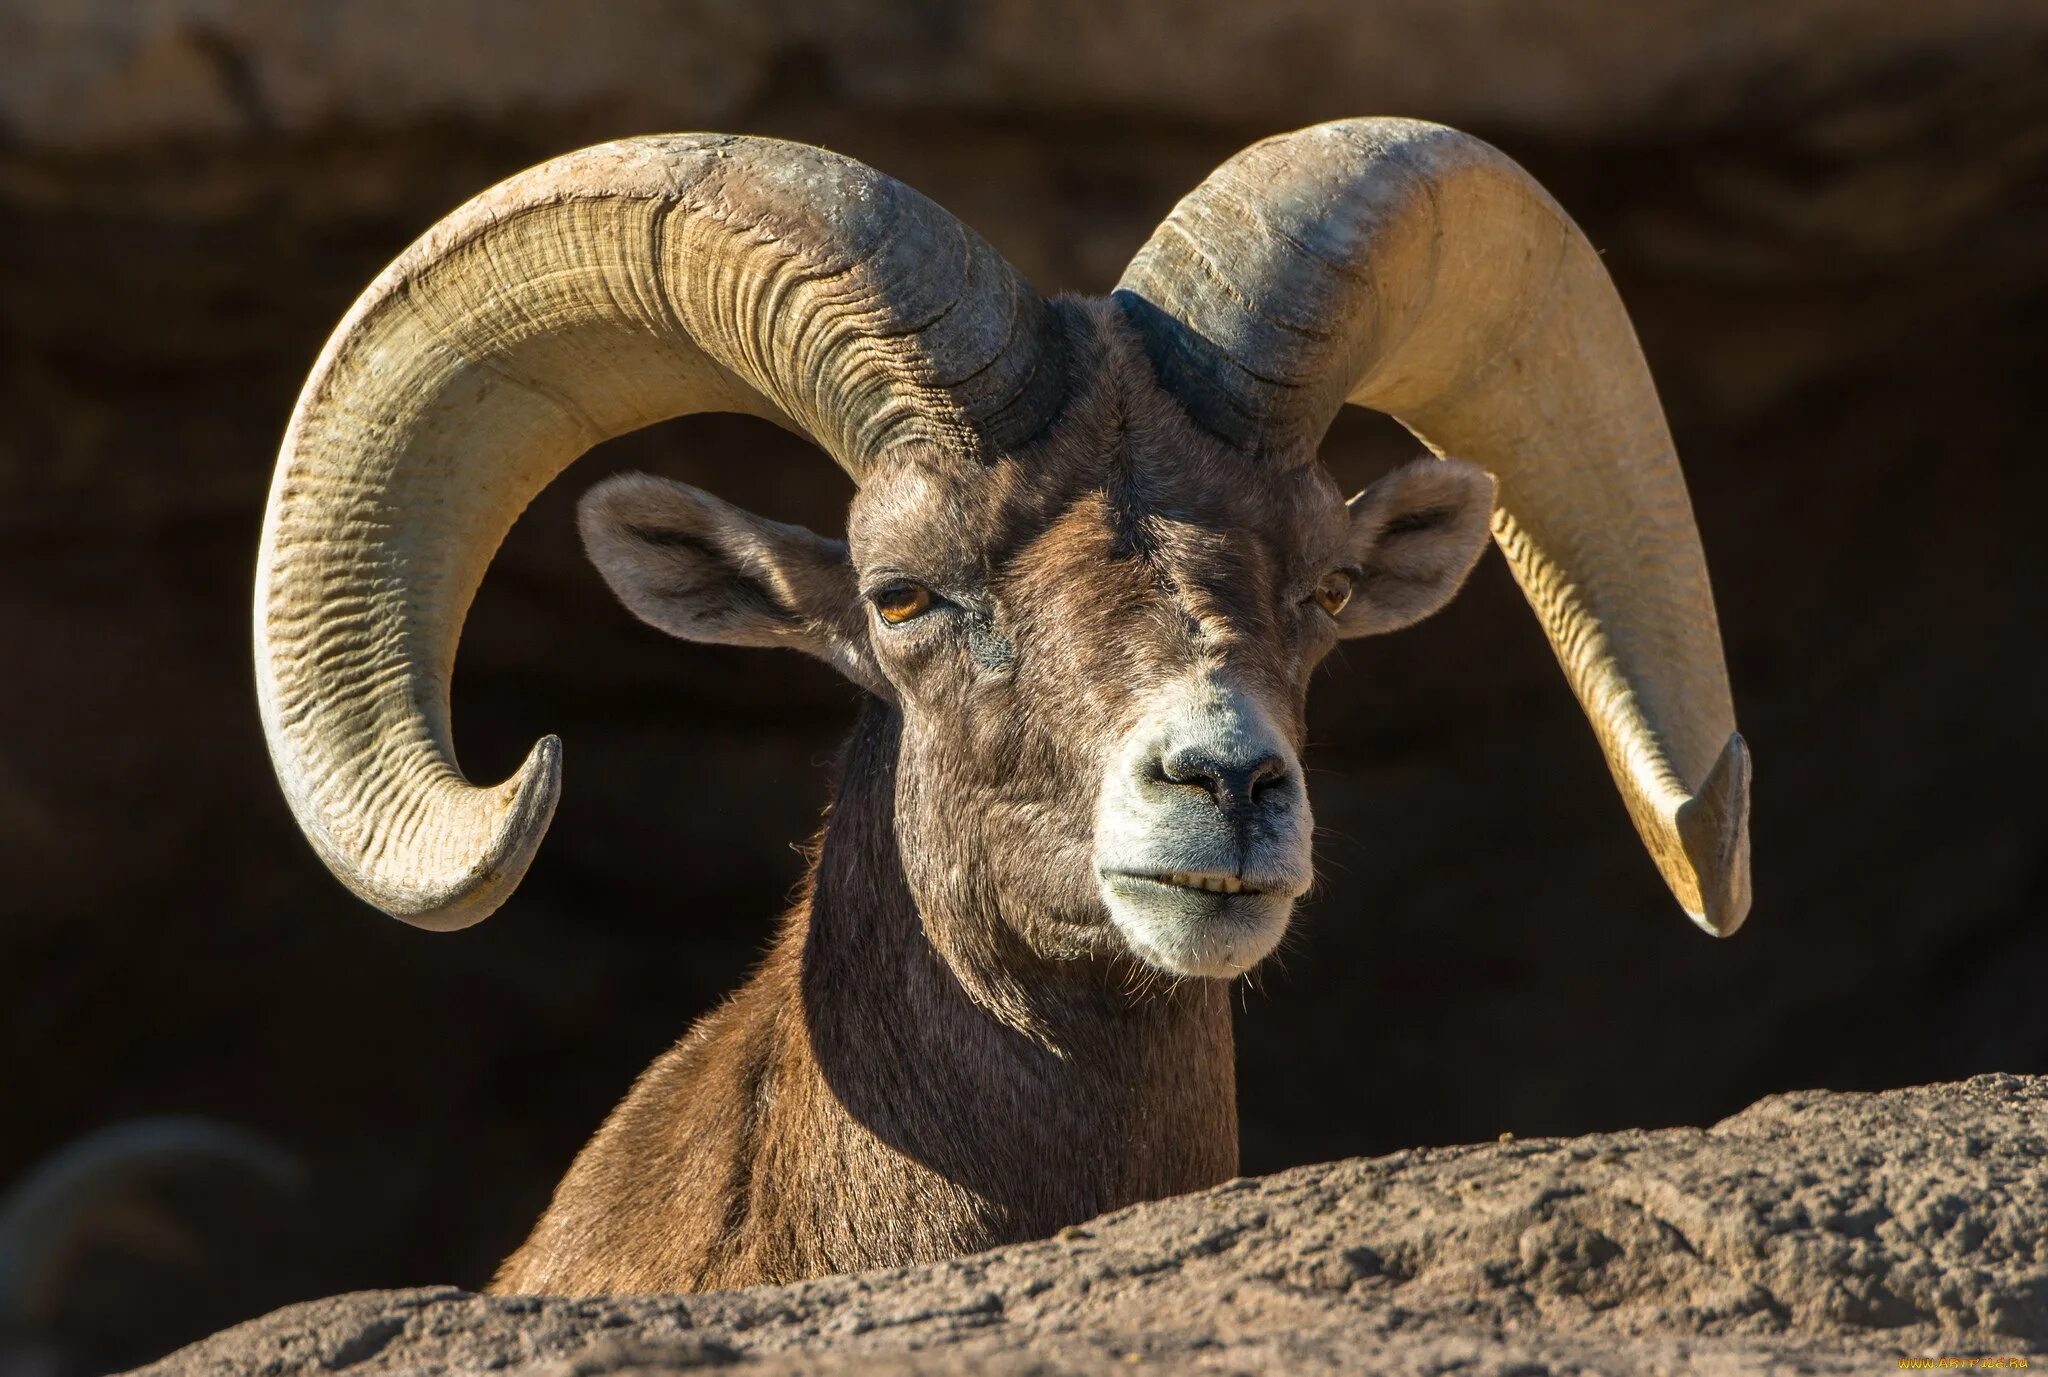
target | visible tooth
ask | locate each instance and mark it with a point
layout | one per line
(1213, 884)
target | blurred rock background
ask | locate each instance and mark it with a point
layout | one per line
(1829, 217)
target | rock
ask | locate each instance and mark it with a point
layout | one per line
(1813, 1232)
(95, 74)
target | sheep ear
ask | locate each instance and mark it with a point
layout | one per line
(702, 569)
(1415, 535)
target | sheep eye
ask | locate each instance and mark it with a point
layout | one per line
(899, 602)
(1333, 592)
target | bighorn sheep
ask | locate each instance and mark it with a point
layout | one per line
(1090, 567)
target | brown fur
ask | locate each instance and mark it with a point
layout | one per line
(949, 1047)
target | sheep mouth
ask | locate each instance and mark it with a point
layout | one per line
(1201, 881)
(1215, 882)
(1187, 923)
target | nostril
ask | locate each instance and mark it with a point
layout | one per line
(1193, 769)
(1266, 776)
(1226, 781)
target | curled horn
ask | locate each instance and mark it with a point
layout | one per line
(592, 295)
(82, 1193)
(1417, 271)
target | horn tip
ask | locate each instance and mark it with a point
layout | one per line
(1713, 826)
(523, 805)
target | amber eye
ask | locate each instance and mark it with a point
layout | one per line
(1334, 591)
(899, 602)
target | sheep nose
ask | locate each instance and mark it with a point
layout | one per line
(1234, 783)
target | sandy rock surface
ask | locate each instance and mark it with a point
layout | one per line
(109, 73)
(1813, 1232)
